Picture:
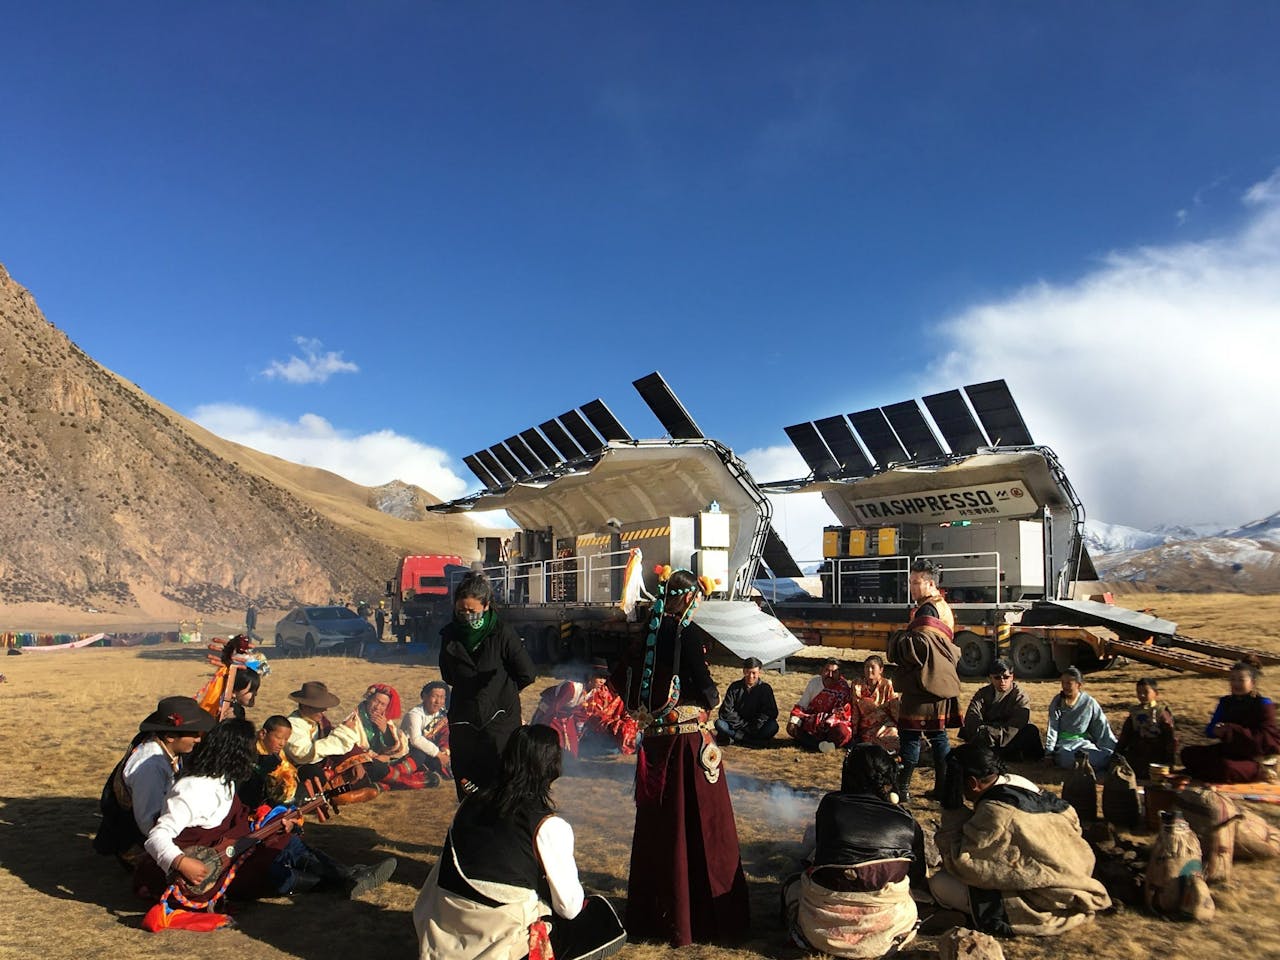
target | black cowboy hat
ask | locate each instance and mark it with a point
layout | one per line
(180, 715)
(315, 694)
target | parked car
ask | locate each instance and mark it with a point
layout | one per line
(319, 629)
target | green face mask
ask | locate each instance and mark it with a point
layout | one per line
(473, 620)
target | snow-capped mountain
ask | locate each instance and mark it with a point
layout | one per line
(1266, 530)
(1105, 538)
(1245, 559)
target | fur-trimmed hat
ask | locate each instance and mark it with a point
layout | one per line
(315, 694)
(178, 715)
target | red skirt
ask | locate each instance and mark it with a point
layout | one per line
(686, 883)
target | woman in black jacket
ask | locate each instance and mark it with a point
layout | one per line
(483, 659)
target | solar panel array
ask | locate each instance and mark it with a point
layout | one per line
(542, 451)
(575, 436)
(858, 444)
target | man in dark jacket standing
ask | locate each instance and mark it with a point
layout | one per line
(748, 712)
(484, 660)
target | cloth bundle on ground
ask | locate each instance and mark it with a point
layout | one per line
(1226, 832)
(1080, 789)
(1120, 795)
(961, 943)
(1176, 886)
(1213, 818)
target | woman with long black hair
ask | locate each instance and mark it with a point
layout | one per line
(204, 810)
(504, 847)
(483, 659)
(686, 882)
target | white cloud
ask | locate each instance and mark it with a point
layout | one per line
(370, 459)
(312, 367)
(1153, 375)
(797, 517)
(1264, 192)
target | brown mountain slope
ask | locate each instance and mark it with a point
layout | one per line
(111, 500)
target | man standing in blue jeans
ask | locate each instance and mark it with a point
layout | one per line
(928, 686)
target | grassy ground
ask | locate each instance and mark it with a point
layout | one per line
(67, 717)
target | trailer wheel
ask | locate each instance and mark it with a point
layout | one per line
(549, 645)
(1032, 656)
(976, 654)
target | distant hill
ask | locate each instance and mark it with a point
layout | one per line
(1245, 559)
(110, 500)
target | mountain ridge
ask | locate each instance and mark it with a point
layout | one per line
(111, 500)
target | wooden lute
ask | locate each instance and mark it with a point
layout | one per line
(218, 857)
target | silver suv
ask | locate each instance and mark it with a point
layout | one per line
(320, 629)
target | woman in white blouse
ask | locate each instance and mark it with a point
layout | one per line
(505, 843)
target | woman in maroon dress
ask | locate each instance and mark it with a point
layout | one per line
(1244, 726)
(686, 883)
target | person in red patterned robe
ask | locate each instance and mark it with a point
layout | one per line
(589, 718)
(822, 718)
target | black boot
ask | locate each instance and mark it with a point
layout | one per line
(362, 879)
(904, 782)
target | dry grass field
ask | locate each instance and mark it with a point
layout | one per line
(67, 717)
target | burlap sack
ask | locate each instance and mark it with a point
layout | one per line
(961, 943)
(1172, 872)
(1215, 819)
(1080, 789)
(1196, 902)
(1256, 839)
(1120, 795)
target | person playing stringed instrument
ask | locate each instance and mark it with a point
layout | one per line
(202, 848)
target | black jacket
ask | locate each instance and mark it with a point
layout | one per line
(679, 652)
(486, 686)
(748, 709)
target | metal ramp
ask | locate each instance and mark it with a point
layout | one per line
(1187, 654)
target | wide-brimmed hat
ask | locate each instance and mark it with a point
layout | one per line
(315, 694)
(180, 715)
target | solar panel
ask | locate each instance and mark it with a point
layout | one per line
(778, 558)
(508, 460)
(541, 449)
(493, 466)
(667, 407)
(843, 446)
(1000, 417)
(604, 421)
(951, 414)
(561, 440)
(581, 433)
(478, 469)
(913, 430)
(878, 437)
(810, 446)
(525, 455)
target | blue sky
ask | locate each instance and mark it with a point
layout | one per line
(378, 236)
